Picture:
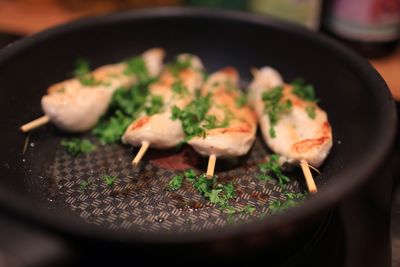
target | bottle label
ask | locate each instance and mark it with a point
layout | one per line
(366, 20)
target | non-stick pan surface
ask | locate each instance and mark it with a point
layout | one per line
(43, 184)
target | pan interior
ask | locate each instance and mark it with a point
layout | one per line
(46, 174)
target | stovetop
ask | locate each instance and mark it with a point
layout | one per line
(356, 234)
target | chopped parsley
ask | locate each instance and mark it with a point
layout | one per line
(178, 65)
(292, 200)
(248, 209)
(109, 179)
(83, 185)
(179, 89)
(274, 107)
(216, 193)
(241, 101)
(311, 112)
(175, 183)
(82, 72)
(192, 116)
(155, 105)
(304, 91)
(190, 175)
(272, 169)
(136, 66)
(126, 105)
(77, 146)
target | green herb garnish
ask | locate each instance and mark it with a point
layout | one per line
(192, 116)
(304, 91)
(272, 169)
(274, 107)
(136, 66)
(155, 106)
(109, 179)
(178, 65)
(311, 112)
(179, 89)
(175, 183)
(241, 101)
(292, 200)
(190, 175)
(77, 146)
(82, 72)
(83, 184)
(248, 209)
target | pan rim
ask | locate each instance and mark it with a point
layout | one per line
(331, 194)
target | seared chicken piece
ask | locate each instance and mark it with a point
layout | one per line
(74, 107)
(159, 130)
(236, 125)
(298, 135)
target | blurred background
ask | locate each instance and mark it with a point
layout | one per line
(370, 27)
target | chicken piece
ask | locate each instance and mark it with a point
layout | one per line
(298, 135)
(159, 129)
(235, 130)
(74, 107)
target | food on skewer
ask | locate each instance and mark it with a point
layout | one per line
(229, 127)
(75, 105)
(292, 124)
(176, 87)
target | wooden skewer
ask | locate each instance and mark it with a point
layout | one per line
(34, 124)
(141, 152)
(312, 188)
(211, 166)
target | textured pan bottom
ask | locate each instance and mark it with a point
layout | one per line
(139, 198)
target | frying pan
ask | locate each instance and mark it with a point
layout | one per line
(41, 186)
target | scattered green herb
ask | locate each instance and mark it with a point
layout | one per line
(292, 200)
(175, 183)
(178, 65)
(192, 116)
(311, 112)
(136, 66)
(248, 209)
(77, 146)
(272, 169)
(241, 101)
(190, 175)
(274, 107)
(179, 89)
(83, 184)
(155, 106)
(82, 72)
(109, 179)
(303, 90)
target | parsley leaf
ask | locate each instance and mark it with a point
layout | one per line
(303, 90)
(292, 200)
(82, 72)
(155, 106)
(77, 146)
(311, 112)
(175, 183)
(178, 65)
(109, 179)
(249, 209)
(190, 175)
(179, 89)
(241, 101)
(83, 185)
(273, 169)
(136, 66)
(274, 107)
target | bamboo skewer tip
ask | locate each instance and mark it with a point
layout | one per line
(211, 166)
(312, 188)
(34, 124)
(145, 145)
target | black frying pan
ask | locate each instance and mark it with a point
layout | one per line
(42, 185)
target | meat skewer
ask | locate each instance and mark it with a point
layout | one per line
(231, 127)
(176, 87)
(291, 122)
(75, 105)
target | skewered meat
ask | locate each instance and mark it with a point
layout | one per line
(298, 136)
(159, 129)
(237, 127)
(74, 107)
